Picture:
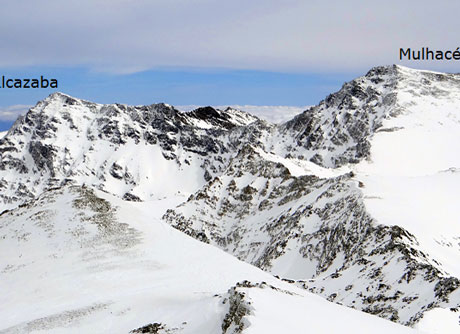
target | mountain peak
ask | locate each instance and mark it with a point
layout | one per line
(227, 119)
(382, 70)
(63, 98)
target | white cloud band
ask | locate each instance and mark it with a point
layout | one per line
(11, 113)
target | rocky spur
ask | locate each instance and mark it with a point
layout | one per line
(41, 82)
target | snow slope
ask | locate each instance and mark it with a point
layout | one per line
(414, 168)
(80, 261)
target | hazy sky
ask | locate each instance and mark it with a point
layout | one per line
(109, 42)
(270, 35)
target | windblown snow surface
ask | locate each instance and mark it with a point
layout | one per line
(146, 219)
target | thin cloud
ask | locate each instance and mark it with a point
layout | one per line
(11, 113)
(292, 35)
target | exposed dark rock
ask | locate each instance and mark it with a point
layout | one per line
(131, 197)
(153, 328)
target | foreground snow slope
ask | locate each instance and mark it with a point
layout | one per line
(79, 261)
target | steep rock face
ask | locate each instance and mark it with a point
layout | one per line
(254, 207)
(315, 231)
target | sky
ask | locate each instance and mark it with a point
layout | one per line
(209, 52)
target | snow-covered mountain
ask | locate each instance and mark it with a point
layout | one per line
(313, 225)
(353, 200)
(133, 152)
